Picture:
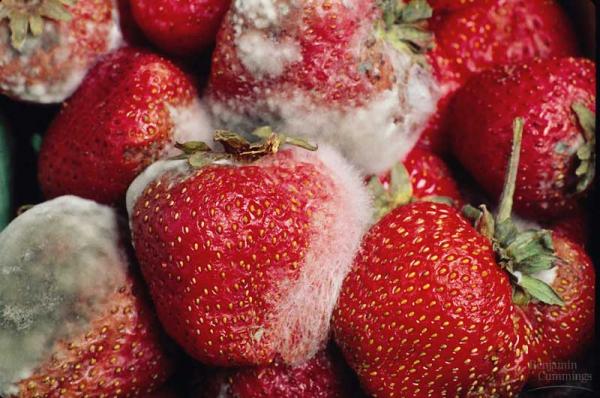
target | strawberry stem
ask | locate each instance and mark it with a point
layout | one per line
(506, 200)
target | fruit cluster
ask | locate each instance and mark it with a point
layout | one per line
(294, 220)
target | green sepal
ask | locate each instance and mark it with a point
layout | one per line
(438, 199)
(416, 11)
(403, 26)
(193, 147)
(539, 290)
(398, 193)
(481, 219)
(586, 154)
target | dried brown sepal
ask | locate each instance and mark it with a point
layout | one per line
(237, 147)
(27, 16)
(268, 143)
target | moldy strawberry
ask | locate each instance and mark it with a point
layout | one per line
(74, 316)
(244, 252)
(47, 46)
(130, 111)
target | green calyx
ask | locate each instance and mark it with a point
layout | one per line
(398, 192)
(237, 147)
(522, 254)
(586, 154)
(25, 16)
(403, 25)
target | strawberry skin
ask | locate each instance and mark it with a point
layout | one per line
(566, 331)
(334, 79)
(429, 176)
(574, 226)
(472, 36)
(130, 110)
(426, 310)
(181, 28)
(323, 376)
(49, 67)
(232, 258)
(324, 55)
(117, 355)
(496, 32)
(543, 92)
(75, 309)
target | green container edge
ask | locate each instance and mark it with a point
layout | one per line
(5, 176)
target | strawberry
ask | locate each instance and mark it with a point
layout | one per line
(472, 36)
(412, 325)
(567, 331)
(74, 317)
(422, 176)
(129, 112)
(556, 98)
(47, 46)
(182, 28)
(244, 252)
(429, 310)
(350, 74)
(323, 376)
(426, 310)
(573, 226)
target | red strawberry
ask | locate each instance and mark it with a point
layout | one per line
(245, 260)
(573, 226)
(428, 308)
(422, 176)
(179, 27)
(472, 36)
(557, 161)
(569, 330)
(323, 376)
(129, 112)
(47, 46)
(350, 74)
(75, 318)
